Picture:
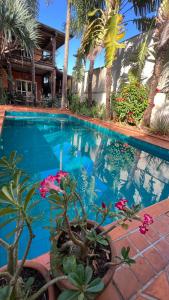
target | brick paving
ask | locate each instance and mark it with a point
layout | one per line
(148, 279)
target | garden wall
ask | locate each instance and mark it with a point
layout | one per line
(120, 71)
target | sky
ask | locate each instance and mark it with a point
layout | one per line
(54, 15)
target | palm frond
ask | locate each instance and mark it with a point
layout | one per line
(163, 20)
(142, 7)
(114, 33)
(143, 24)
(17, 26)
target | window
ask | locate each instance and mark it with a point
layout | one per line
(24, 87)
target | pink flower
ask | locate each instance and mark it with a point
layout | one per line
(103, 205)
(50, 178)
(48, 184)
(143, 229)
(60, 175)
(43, 191)
(121, 204)
(148, 220)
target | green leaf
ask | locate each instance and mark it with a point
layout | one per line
(4, 292)
(29, 282)
(69, 295)
(74, 279)
(12, 156)
(88, 274)
(28, 197)
(33, 204)
(81, 297)
(7, 210)
(7, 195)
(95, 286)
(69, 264)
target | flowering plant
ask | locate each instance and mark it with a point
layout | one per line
(76, 245)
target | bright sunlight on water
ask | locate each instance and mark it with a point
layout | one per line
(105, 166)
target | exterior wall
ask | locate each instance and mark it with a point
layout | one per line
(28, 76)
(120, 71)
(99, 94)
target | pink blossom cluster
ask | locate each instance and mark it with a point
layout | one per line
(121, 204)
(49, 183)
(148, 220)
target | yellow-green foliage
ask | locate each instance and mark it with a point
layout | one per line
(113, 34)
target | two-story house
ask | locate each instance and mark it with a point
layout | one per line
(29, 80)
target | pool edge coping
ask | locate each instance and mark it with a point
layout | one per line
(158, 141)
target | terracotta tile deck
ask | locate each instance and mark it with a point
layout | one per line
(148, 279)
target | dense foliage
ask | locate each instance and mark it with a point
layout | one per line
(130, 102)
(96, 111)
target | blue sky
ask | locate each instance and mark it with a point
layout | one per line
(54, 15)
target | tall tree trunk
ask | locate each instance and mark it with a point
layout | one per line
(158, 68)
(1, 81)
(108, 91)
(90, 79)
(67, 35)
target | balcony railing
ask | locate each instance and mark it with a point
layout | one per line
(47, 60)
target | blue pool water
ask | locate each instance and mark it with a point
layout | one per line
(107, 165)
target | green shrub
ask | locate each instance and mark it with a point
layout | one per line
(96, 111)
(130, 103)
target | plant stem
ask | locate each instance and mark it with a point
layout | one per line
(72, 237)
(108, 230)
(46, 286)
(81, 204)
(31, 236)
(4, 244)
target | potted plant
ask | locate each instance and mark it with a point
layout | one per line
(20, 279)
(81, 249)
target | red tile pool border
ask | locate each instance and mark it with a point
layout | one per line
(132, 132)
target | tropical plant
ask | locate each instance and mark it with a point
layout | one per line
(78, 69)
(104, 31)
(66, 54)
(162, 37)
(73, 237)
(17, 204)
(18, 29)
(79, 18)
(130, 102)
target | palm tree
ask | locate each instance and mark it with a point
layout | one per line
(81, 17)
(162, 39)
(18, 29)
(67, 36)
(105, 31)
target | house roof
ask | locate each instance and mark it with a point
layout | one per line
(46, 33)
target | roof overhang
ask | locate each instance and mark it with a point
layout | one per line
(46, 33)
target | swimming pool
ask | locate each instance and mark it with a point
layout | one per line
(106, 164)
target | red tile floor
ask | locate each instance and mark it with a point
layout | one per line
(149, 277)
